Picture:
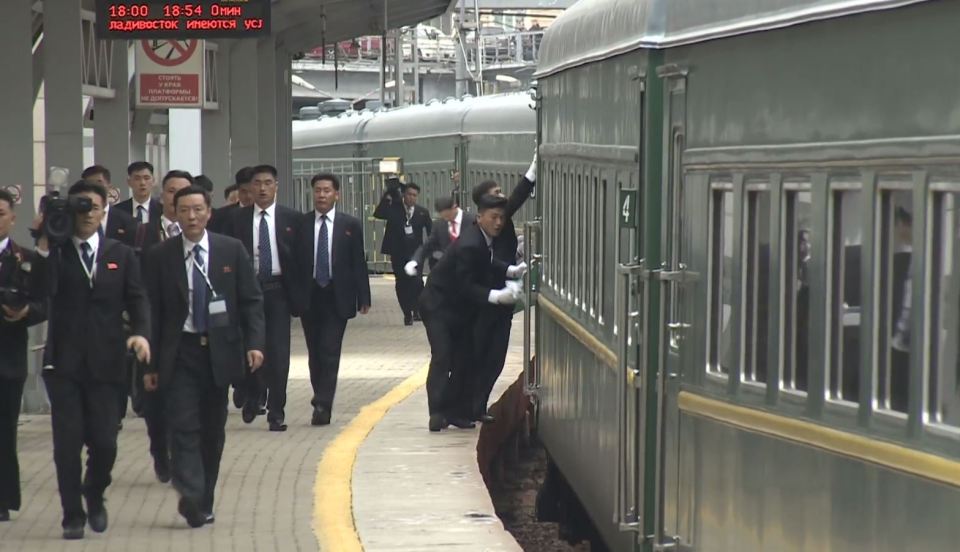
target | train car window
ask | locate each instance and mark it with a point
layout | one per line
(565, 234)
(943, 395)
(797, 252)
(846, 215)
(577, 227)
(601, 246)
(757, 293)
(592, 254)
(721, 278)
(895, 251)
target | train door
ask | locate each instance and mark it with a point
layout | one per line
(676, 351)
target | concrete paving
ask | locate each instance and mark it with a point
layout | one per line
(414, 490)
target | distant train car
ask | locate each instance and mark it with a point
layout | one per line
(748, 315)
(445, 147)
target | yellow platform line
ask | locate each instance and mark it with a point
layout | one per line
(332, 490)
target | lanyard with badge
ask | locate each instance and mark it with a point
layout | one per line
(217, 308)
(88, 271)
(408, 228)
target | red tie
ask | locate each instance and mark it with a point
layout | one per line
(453, 230)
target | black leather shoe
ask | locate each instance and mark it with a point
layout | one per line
(437, 422)
(191, 512)
(408, 320)
(277, 426)
(321, 416)
(462, 423)
(416, 316)
(161, 467)
(96, 515)
(239, 398)
(73, 530)
(249, 414)
(209, 518)
(4, 514)
(487, 419)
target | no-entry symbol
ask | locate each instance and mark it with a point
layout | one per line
(169, 53)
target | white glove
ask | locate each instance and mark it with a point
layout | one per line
(532, 171)
(516, 271)
(410, 268)
(501, 297)
(516, 289)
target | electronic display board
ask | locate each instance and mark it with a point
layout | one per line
(172, 19)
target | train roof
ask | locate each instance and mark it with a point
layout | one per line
(592, 30)
(502, 113)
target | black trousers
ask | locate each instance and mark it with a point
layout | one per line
(197, 415)
(491, 340)
(273, 375)
(451, 377)
(155, 418)
(82, 412)
(408, 288)
(323, 329)
(11, 395)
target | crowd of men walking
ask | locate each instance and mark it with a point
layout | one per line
(180, 301)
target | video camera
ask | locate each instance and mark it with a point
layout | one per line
(12, 298)
(59, 213)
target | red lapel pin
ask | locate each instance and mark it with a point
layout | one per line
(227, 269)
(112, 266)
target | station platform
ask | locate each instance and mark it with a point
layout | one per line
(373, 479)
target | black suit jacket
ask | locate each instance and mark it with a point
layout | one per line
(396, 242)
(350, 278)
(287, 228)
(461, 282)
(16, 264)
(221, 220)
(156, 208)
(432, 250)
(86, 335)
(505, 246)
(232, 277)
(121, 227)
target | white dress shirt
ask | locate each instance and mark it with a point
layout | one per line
(4, 243)
(316, 236)
(188, 264)
(106, 215)
(272, 226)
(146, 210)
(165, 224)
(94, 242)
(458, 220)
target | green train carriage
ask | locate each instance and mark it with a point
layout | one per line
(746, 326)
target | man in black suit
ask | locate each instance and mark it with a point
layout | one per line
(222, 218)
(462, 283)
(21, 306)
(141, 205)
(445, 231)
(406, 223)
(90, 281)
(333, 269)
(116, 225)
(492, 330)
(207, 318)
(270, 234)
(160, 229)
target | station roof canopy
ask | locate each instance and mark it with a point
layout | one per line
(307, 24)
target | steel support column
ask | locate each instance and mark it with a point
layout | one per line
(16, 111)
(111, 119)
(268, 91)
(215, 124)
(63, 90)
(243, 115)
(284, 127)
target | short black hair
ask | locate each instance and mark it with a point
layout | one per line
(488, 202)
(82, 187)
(263, 169)
(204, 182)
(326, 176)
(94, 170)
(8, 197)
(444, 203)
(483, 189)
(412, 185)
(137, 166)
(243, 176)
(178, 174)
(229, 190)
(192, 190)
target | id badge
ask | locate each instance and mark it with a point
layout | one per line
(408, 230)
(218, 312)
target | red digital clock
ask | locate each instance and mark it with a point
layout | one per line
(141, 19)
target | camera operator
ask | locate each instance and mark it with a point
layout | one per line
(20, 306)
(115, 224)
(89, 281)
